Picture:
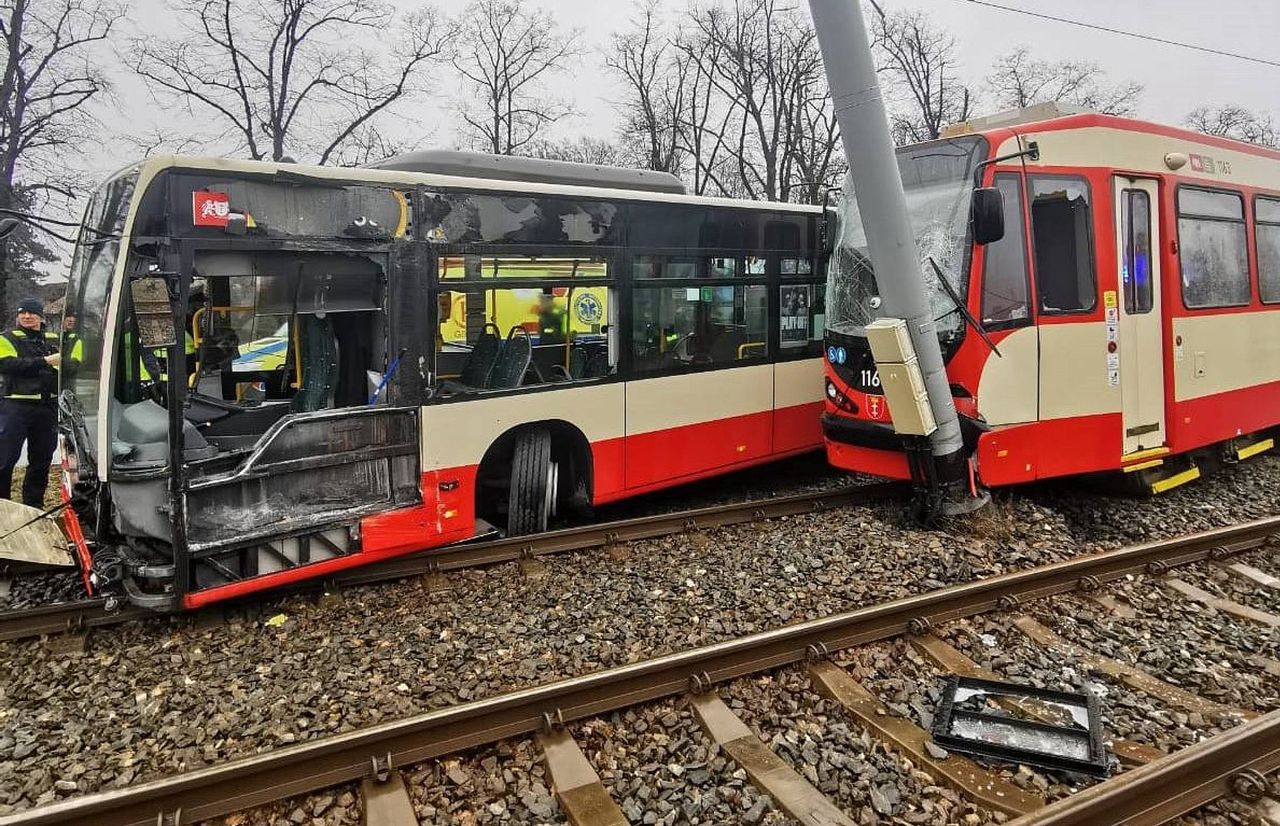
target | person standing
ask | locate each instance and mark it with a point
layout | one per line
(29, 361)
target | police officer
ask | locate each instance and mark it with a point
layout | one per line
(29, 361)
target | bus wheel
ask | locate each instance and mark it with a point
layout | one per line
(534, 483)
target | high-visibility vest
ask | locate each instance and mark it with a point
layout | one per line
(21, 344)
(161, 355)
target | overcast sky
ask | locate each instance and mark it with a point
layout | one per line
(1176, 80)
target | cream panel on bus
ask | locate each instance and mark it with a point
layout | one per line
(678, 401)
(457, 434)
(797, 382)
(1074, 376)
(1220, 353)
(1007, 392)
(1144, 152)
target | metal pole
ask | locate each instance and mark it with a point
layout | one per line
(864, 129)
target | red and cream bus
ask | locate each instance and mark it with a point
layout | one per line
(1132, 304)
(387, 360)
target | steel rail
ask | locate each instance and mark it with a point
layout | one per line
(82, 615)
(1231, 762)
(264, 778)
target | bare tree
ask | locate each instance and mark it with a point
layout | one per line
(580, 150)
(702, 124)
(290, 76)
(50, 79)
(505, 51)
(921, 63)
(1018, 80)
(759, 60)
(656, 88)
(1236, 122)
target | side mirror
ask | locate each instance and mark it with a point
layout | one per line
(154, 312)
(444, 303)
(988, 215)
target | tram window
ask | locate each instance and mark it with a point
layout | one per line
(1061, 228)
(1135, 227)
(1267, 219)
(801, 318)
(1004, 277)
(675, 328)
(1212, 249)
(498, 339)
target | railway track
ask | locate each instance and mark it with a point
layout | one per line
(78, 618)
(1154, 789)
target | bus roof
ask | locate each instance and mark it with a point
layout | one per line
(532, 170)
(399, 177)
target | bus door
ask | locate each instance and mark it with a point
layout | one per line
(1134, 326)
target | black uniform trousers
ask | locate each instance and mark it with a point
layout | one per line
(35, 423)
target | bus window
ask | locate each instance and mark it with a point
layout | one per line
(307, 328)
(802, 311)
(679, 327)
(514, 331)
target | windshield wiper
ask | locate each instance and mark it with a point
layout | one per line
(964, 311)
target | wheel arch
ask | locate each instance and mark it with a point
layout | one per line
(569, 447)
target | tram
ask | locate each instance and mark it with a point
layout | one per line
(284, 371)
(1126, 322)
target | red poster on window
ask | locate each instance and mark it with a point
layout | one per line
(210, 209)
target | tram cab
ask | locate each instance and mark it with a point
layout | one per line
(1126, 321)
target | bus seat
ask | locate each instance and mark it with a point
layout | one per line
(319, 356)
(513, 361)
(597, 364)
(479, 364)
(483, 355)
(578, 360)
(724, 347)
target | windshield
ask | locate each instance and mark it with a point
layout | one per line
(938, 180)
(88, 294)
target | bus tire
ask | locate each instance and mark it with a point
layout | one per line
(534, 478)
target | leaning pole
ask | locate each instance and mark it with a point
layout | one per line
(877, 184)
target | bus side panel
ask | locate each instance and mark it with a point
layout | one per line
(609, 470)
(684, 425)
(797, 400)
(447, 514)
(456, 435)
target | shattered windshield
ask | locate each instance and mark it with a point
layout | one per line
(88, 294)
(938, 180)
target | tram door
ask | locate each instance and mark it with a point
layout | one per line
(1134, 325)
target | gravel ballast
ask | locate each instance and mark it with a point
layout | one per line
(162, 696)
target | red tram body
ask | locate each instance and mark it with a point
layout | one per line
(1134, 301)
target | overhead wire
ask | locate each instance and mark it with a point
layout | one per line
(1124, 33)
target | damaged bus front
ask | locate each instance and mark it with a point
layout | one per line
(255, 316)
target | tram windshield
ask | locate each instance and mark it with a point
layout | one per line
(938, 179)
